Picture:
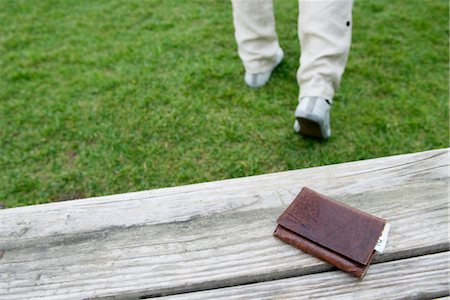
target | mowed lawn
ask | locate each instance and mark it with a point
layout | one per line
(103, 97)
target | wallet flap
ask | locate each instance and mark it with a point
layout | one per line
(334, 225)
(332, 257)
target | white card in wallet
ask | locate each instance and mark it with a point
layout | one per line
(381, 244)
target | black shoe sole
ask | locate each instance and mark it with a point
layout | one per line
(310, 128)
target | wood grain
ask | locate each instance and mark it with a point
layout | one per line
(421, 277)
(213, 234)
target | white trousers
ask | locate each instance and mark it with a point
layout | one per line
(324, 29)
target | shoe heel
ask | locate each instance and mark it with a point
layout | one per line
(308, 127)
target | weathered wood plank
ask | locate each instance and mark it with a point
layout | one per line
(422, 277)
(210, 235)
(181, 203)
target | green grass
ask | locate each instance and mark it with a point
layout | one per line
(104, 97)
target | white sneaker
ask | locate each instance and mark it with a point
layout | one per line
(256, 80)
(313, 117)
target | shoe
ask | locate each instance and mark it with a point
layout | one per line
(256, 80)
(312, 117)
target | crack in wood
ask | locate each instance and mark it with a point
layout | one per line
(399, 165)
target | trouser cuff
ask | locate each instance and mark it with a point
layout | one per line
(317, 88)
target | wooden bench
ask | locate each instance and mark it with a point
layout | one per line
(214, 240)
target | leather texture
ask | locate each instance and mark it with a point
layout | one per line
(330, 230)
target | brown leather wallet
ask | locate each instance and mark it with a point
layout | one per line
(330, 230)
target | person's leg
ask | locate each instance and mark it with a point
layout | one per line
(325, 32)
(256, 39)
(325, 38)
